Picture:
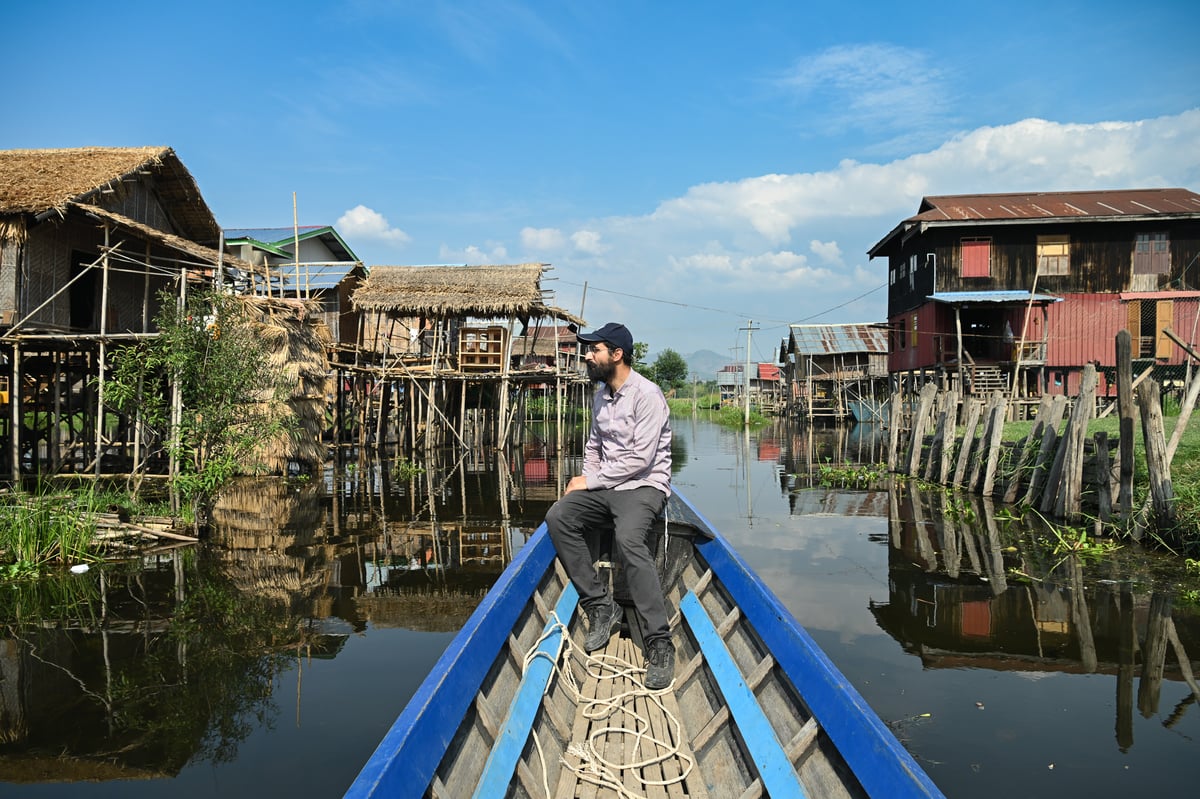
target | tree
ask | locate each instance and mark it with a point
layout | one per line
(670, 369)
(229, 398)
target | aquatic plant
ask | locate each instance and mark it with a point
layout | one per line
(404, 469)
(45, 527)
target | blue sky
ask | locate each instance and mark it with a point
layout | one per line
(697, 165)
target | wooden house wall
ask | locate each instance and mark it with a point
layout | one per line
(49, 252)
(10, 259)
(47, 266)
(1101, 260)
(913, 337)
(139, 202)
(1084, 327)
(870, 364)
(345, 326)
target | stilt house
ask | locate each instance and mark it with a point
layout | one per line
(836, 371)
(310, 262)
(439, 341)
(1019, 291)
(89, 237)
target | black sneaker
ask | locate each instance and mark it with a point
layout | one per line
(604, 619)
(660, 664)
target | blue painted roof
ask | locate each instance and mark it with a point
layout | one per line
(964, 297)
(319, 277)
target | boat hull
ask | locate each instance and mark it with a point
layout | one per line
(514, 708)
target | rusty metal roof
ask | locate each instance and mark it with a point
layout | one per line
(1059, 205)
(1051, 206)
(836, 339)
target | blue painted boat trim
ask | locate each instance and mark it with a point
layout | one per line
(405, 761)
(881, 764)
(506, 751)
(775, 769)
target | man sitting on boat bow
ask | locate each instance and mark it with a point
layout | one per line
(624, 486)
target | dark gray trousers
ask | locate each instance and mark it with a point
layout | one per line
(582, 516)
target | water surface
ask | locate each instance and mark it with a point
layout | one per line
(275, 658)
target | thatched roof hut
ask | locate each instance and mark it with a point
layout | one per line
(458, 291)
(38, 182)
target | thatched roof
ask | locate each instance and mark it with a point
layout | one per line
(37, 181)
(441, 291)
(204, 254)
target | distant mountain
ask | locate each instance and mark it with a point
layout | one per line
(705, 364)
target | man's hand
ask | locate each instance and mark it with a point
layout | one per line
(578, 483)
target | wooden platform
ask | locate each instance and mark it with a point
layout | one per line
(620, 708)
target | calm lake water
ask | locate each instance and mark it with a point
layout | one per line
(273, 660)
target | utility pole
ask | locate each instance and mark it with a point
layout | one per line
(746, 375)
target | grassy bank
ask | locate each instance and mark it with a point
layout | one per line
(1185, 466)
(49, 527)
(727, 416)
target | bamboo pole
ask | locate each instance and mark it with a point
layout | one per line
(103, 351)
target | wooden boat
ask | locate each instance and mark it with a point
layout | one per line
(514, 708)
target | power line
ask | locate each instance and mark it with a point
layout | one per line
(740, 314)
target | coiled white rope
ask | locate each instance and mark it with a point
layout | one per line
(593, 767)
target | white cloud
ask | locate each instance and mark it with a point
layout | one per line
(361, 221)
(827, 251)
(588, 242)
(728, 246)
(472, 255)
(871, 86)
(542, 239)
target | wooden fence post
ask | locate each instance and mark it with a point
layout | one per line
(1027, 450)
(974, 408)
(1103, 477)
(1162, 494)
(920, 422)
(994, 444)
(895, 422)
(1049, 438)
(989, 424)
(1066, 503)
(949, 435)
(1125, 407)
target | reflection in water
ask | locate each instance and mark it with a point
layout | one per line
(968, 591)
(133, 670)
(142, 669)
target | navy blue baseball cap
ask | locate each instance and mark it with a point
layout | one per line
(615, 335)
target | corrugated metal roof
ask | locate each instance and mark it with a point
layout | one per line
(315, 277)
(1059, 205)
(285, 238)
(833, 339)
(968, 297)
(768, 371)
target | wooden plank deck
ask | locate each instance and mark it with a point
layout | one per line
(615, 707)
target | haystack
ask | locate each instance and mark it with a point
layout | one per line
(295, 339)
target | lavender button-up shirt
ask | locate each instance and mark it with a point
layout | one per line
(630, 443)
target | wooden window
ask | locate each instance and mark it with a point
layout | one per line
(1151, 254)
(1054, 255)
(976, 257)
(914, 330)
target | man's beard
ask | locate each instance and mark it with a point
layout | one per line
(601, 372)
